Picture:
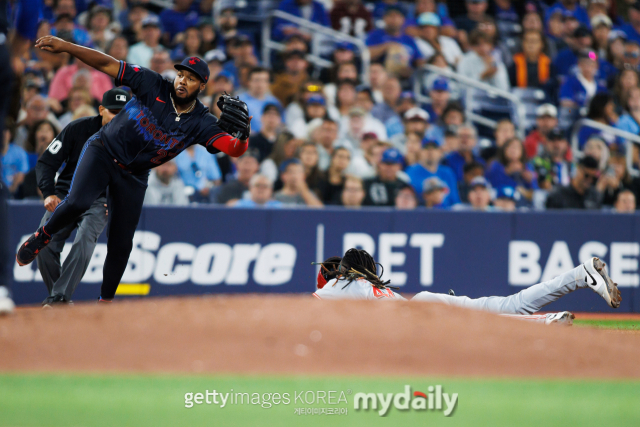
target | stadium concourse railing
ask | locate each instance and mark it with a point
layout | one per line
(492, 92)
(628, 136)
(316, 45)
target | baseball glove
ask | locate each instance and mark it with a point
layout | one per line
(234, 116)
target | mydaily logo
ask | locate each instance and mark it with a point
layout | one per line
(418, 401)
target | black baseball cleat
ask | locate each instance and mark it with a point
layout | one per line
(30, 249)
(453, 294)
(55, 300)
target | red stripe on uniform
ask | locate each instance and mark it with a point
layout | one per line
(124, 64)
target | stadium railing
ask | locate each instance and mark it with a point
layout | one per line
(315, 56)
(628, 136)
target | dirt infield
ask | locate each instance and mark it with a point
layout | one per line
(299, 335)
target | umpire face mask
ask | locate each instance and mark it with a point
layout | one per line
(186, 88)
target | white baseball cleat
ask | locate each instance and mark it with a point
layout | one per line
(562, 318)
(598, 280)
(6, 303)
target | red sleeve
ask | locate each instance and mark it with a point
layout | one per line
(227, 144)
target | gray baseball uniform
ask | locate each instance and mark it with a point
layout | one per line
(527, 301)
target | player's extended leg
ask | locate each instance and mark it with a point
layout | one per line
(92, 222)
(590, 274)
(126, 194)
(49, 257)
(91, 177)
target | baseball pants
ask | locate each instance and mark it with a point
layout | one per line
(95, 172)
(64, 279)
(527, 301)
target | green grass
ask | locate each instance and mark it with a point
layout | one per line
(120, 401)
(633, 325)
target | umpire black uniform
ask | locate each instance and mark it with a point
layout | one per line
(66, 148)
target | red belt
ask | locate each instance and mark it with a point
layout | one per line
(121, 165)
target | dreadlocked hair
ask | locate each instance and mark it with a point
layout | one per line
(329, 268)
(358, 264)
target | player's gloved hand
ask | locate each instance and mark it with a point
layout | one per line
(234, 117)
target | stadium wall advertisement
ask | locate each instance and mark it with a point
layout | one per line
(209, 250)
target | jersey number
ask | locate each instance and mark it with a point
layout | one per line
(55, 146)
(383, 293)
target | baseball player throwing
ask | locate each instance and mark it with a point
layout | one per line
(157, 124)
(355, 276)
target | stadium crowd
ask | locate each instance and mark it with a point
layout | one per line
(353, 137)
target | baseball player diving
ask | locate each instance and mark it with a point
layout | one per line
(158, 123)
(355, 276)
(62, 281)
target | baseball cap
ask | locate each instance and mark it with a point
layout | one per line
(370, 135)
(345, 46)
(556, 134)
(115, 99)
(416, 113)
(196, 66)
(479, 181)
(151, 20)
(441, 83)
(429, 19)
(506, 193)
(270, 106)
(432, 184)
(581, 31)
(547, 110)
(407, 94)
(617, 34)
(357, 111)
(393, 8)
(601, 19)
(589, 162)
(430, 143)
(316, 99)
(224, 74)
(215, 55)
(284, 165)
(392, 156)
(588, 54)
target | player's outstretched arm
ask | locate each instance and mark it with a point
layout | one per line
(98, 60)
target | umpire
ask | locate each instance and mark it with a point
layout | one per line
(62, 281)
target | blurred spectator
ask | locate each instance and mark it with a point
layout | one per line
(284, 149)
(413, 147)
(625, 202)
(364, 162)
(98, 25)
(271, 122)
(247, 166)
(511, 170)
(546, 120)
(581, 193)
(118, 48)
(505, 131)
(208, 34)
(227, 23)
(308, 154)
(311, 10)
(42, 133)
(381, 189)
(569, 8)
(295, 191)
(175, 21)
(566, 59)
(165, 187)
(84, 111)
(601, 27)
(451, 141)
(15, 163)
(476, 10)
(353, 192)
(260, 194)
(480, 64)
(430, 41)
(626, 81)
(466, 152)
(241, 54)
(472, 171)
(531, 68)
(557, 32)
(161, 62)
(339, 73)
(333, 183)
(136, 13)
(326, 138)
(77, 97)
(617, 179)
(141, 52)
(258, 94)
(406, 199)
(601, 110)
(377, 76)
(214, 59)
(597, 148)
(452, 118)
(386, 110)
(364, 100)
(631, 57)
(428, 167)
(287, 84)
(351, 17)
(295, 109)
(66, 77)
(440, 96)
(190, 46)
(630, 119)
(434, 191)
(416, 120)
(552, 165)
(632, 28)
(65, 28)
(479, 196)
(392, 46)
(198, 170)
(577, 91)
(505, 199)
(36, 110)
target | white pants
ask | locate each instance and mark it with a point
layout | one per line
(527, 301)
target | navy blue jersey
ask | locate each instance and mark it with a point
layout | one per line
(145, 133)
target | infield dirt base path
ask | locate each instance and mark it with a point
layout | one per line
(268, 334)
